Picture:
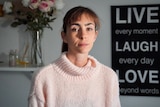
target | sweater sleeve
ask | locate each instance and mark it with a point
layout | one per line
(32, 101)
(116, 99)
(34, 98)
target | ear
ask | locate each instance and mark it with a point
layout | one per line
(64, 38)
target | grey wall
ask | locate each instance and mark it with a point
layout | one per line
(14, 86)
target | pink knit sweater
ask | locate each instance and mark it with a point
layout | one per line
(62, 84)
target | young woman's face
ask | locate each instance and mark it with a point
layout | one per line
(81, 35)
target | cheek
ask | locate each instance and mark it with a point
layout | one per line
(93, 39)
(70, 37)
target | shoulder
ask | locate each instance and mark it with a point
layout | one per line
(39, 81)
(43, 73)
(105, 70)
(109, 75)
(108, 69)
(42, 70)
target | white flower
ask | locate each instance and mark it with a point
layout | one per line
(34, 4)
(7, 7)
(25, 2)
(59, 4)
(51, 2)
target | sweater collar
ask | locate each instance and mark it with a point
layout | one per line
(67, 68)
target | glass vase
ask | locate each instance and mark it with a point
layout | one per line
(36, 49)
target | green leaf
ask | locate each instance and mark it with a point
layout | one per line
(15, 24)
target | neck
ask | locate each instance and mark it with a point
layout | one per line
(79, 60)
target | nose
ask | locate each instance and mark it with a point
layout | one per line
(82, 34)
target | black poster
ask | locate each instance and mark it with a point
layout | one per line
(136, 48)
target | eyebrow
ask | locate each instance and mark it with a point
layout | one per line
(79, 24)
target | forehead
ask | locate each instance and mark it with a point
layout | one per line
(83, 17)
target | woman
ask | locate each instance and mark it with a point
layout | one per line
(76, 79)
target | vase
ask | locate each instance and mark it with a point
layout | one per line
(36, 49)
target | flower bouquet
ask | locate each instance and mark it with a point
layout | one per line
(36, 15)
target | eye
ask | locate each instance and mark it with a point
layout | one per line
(89, 29)
(74, 28)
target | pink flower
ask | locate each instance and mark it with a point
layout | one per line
(44, 6)
(34, 4)
(34, 1)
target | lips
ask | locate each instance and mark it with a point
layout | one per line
(83, 44)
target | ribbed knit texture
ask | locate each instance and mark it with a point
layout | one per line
(62, 84)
